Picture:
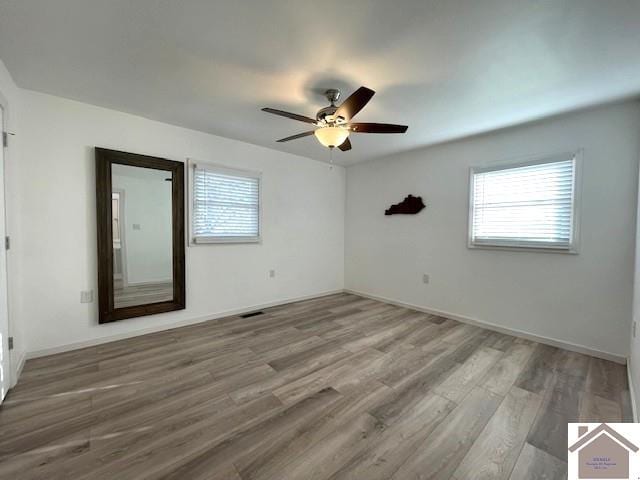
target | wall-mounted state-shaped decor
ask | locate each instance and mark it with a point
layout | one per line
(410, 205)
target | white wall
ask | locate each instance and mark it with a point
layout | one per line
(13, 97)
(582, 299)
(303, 236)
(146, 223)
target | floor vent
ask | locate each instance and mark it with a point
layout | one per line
(252, 314)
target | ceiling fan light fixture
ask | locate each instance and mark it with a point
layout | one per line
(335, 122)
(331, 136)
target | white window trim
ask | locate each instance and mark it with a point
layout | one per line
(191, 165)
(573, 247)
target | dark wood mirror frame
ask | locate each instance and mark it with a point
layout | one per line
(104, 160)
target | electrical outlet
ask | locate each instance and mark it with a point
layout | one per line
(634, 329)
(86, 296)
(272, 273)
(425, 278)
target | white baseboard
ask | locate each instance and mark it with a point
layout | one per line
(181, 323)
(632, 393)
(498, 328)
(16, 373)
(490, 326)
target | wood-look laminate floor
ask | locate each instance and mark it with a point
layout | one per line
(141, 294)
(340, 387)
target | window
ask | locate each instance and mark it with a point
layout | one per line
(531, 205)
(225, 204)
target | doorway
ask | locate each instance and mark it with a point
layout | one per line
(119, 242)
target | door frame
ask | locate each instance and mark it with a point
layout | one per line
(4, 127)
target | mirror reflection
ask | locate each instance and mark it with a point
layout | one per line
(142, 235)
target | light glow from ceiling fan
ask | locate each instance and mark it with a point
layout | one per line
(331, 136)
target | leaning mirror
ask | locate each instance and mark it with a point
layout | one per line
(140, 216)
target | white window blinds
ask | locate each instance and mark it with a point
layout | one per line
(525, 206)
(226, 205)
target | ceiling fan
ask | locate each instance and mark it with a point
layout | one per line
(334, 123)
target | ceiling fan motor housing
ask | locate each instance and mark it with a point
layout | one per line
(322, 114)
(332, 95)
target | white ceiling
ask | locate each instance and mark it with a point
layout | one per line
(447, 68)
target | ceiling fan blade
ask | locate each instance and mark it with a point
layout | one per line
(354, 103)
(346, 145)
(293, 137)
(292, 116)
(377, 128)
